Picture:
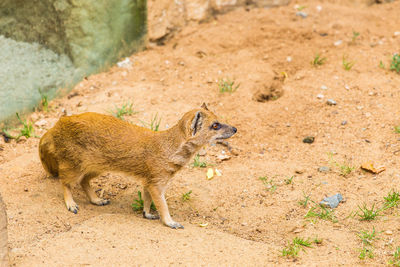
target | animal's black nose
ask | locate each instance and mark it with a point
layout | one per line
(234, 129)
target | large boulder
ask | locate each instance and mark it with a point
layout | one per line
(52, 44)
(91, 32)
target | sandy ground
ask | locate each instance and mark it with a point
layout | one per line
(249, 222)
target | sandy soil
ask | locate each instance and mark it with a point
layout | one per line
(249, 221)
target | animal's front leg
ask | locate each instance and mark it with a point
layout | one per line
(147, 204)
(157, 194)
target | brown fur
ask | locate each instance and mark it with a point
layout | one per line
(79, 148)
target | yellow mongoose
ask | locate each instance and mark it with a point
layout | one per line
(81, 147)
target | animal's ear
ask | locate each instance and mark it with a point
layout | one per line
(197, 122)
(204, 106)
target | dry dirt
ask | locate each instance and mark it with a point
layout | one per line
(249, 222)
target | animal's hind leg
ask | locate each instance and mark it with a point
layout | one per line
(94, 199)
(69, 201)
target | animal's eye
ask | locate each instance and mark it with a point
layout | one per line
(216, 126)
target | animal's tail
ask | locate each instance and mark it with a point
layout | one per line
(47, 156)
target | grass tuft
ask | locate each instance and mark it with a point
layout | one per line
(395, 64)
(396, 258)
(269, 184)
(368, 214)
(298, 243)
(137, 204)
(198, 163)
(227, 86)
(125, 110)
(322, 213)
(187, 196)
(347, 65)
(392, 200)
(44, 101)
(318, 60)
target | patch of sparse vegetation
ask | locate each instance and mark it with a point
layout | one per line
(397, 129)
(347, 64)
(318, 211)
(292, 250)
(368, 214)
(381, 65)
(355, 36)
(227, 86)
(27, 130)
(395, 64)
(44, 103)
(367, 237)
(198, 163)
(392, 200)
(289, 180)
(318, 241)
(137, 204)
(366, 252)
(125, 110)
(318, 60)
(301, 7)
(154, 124)
(187, 196)
(269, 184)
(396, 258)
(304, 202)
(345, 168)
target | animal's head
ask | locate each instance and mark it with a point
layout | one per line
(204, 126)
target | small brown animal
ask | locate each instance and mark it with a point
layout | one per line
(81, 147)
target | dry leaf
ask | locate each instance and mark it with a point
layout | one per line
(369, 166)
(203, 224)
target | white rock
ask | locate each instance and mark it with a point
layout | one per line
(338, 42)
(41, 123)
(126, 63)
(320, 96)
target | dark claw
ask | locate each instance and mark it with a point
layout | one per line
(150, 216)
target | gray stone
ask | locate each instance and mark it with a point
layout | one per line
(344, 122)
(324, 169)
(332, 201)
(302, 14)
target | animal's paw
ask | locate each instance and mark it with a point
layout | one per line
(73, 207)
(101, 202)
(174, 225)
(150, 216)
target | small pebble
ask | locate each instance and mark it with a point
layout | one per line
(396, 33)
(320, 96)
(344, 122)
(324, 169)
(289, 59)
(324, 87)
(331, 102)
(319, 8)
(337, 43)
(388, 232)
(309, 140)
(302, 14)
